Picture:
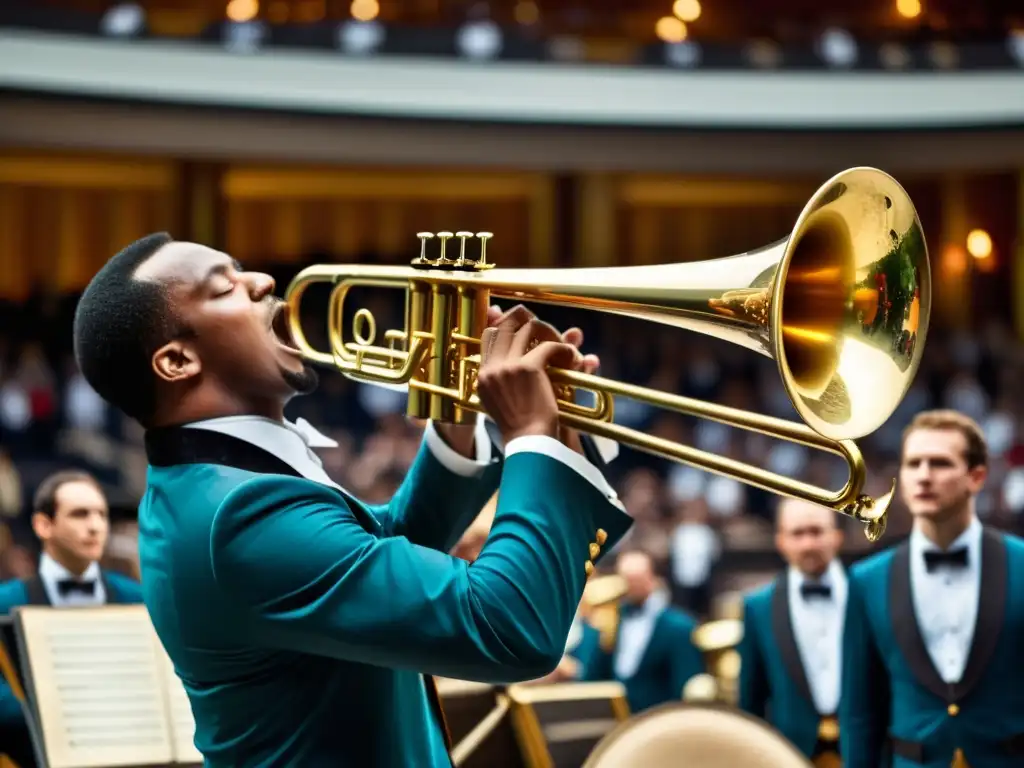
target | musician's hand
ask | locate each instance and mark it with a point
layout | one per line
(586, 364)
(513, 384)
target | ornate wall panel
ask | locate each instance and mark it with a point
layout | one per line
(62, 216)
(289, 214)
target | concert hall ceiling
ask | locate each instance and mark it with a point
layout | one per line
(634, 20)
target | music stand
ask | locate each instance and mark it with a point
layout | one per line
(11, 666)
(100, 690)
(558, 724)
(481, 731)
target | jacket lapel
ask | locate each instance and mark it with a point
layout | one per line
(170, 446)
(991, 610)
(112, 595)
(35, 592)
(903, 617)
(650, 649)
(782, 629)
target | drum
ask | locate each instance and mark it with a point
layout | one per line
(684, 734)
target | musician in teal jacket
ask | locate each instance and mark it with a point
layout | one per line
(71, 518)
(653, 654)
(791, 661)
(935, 626)
(304, 624)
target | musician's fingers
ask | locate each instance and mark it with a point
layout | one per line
(507, 328)
(493, 315)
(573, 336)
(532, 334)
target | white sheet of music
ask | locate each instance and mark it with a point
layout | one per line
(99, 686)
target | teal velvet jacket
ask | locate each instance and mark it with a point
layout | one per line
(773, 682)
(894, 700)
(302, 622)
(18, 592)
(667, 664)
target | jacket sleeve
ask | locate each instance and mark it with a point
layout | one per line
(864, 706)
(753, 688)
(309, 578)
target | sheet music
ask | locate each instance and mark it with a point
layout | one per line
(98, 687)
(182, 723)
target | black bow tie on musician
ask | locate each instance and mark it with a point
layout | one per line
(70, 586)
(954, 558)
(810, 589)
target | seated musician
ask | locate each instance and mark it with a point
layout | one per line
(793, 630)
(71, 518)
(653, 653)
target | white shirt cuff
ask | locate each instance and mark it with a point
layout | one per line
(454, 461)
(549, 446)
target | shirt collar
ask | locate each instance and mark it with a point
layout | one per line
(655, 603)
(833, 576)
(970, 538)
(51, 571)
(285, 439)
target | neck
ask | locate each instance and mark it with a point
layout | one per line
(944, 531)
(216, 406)
(816, 573)
(75, 566)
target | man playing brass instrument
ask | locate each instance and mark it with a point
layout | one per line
(932, 664)
(651, 649)
(305, 624)
(791, 652)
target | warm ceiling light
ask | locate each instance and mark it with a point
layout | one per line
(908, 9)
(242, 10)
(526, 12)
(979, 244)
(364, 10)
(686, 10)
(670, 29)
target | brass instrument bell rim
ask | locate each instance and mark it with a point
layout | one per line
(604, 590)
(843, 432)
(718, 635)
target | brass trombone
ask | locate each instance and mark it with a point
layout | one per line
(842, 305)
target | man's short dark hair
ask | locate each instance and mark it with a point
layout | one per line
(976, 454)
(120, 322)
(45, 500)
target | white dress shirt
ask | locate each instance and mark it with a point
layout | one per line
(818, 630)
(293, 443)
(53, 573)
(946, 601)
(634, 634)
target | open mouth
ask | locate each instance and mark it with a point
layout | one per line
(281, 331)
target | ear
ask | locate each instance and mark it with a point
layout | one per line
(977, 477)
(176, 361)
(42, 526)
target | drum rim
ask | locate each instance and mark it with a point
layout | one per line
(604, 745)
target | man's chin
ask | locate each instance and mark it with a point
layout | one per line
(302, 382)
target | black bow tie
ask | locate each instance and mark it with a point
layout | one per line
(954, 558)
(810, 589)
(68, 586)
